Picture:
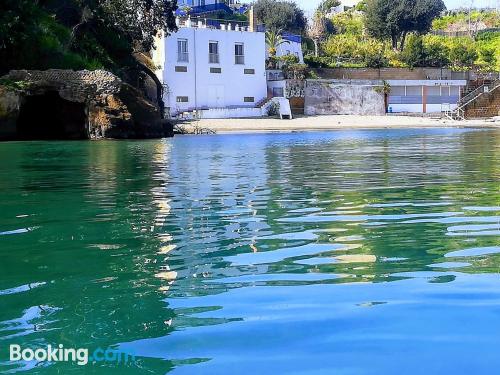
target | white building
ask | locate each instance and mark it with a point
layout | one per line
(292, 46)
(198, 3)
(424, 96)
(345, 5)
(216, 69)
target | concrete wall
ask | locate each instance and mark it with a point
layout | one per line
(206, 89)
(324, 97)
(230, 113)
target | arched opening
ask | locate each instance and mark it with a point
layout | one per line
(48, 116)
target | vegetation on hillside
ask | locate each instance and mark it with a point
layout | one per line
(280, 15)
(491, 19)
(378, 34)
(80, 34)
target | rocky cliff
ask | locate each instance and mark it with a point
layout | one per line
(75, 105)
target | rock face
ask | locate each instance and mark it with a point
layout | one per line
(67, 104)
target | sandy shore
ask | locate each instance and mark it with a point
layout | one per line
(318, 123)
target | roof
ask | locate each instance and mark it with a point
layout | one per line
(292, 37)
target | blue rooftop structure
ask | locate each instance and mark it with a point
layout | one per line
(292, 37)
(201, 9)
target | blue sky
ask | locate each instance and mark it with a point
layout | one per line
(311, 4)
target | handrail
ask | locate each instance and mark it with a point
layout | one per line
(459, 112)
(473, 95)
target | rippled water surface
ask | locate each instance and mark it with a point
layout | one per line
(351, 252)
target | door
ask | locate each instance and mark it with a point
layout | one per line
(216, 96)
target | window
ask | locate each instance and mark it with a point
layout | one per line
(213, 52)
(249, 99)
(278, 92)
(249, 71)
(216, 70)
(182, 50)
(182, 99)
(239, 54)
(181, 69)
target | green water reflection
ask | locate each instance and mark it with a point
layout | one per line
(279, 253)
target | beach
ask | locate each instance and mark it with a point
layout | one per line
(329, 122)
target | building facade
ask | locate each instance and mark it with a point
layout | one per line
(424, 96)
(292, 46)
(207, 66)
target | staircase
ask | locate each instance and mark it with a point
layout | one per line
(283, 104)
(475, 96)
(263, 102)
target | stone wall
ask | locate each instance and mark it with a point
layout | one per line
(325, 97)
(113, 109)
(486, 106)
(295, 93)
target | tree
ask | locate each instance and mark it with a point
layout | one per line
(326, 6)
(79, 33)
(319, 30)
(414, 54)
(394, 19)
(436, 51)
(321, 26)
(463, 54)
(488, 56)
(280, 15)
(274, 39)
(137, 20)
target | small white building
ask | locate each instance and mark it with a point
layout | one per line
(292, 46)
(424, 96)
(201, 3)
(216, 69)
(344, 6)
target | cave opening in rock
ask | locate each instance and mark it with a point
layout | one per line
(48, 116)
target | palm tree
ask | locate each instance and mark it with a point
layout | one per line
(274, 39)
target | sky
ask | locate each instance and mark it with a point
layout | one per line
(309, 5)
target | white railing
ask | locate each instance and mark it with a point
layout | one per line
(239, 59)
(213, 58)
(459, 113)
(183, 57)
(473, 95)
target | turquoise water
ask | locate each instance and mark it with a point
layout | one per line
(350, 252)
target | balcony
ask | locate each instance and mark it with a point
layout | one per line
(183, 57)
(239, 59)
(216, 24)
(213, 58)
(204, 9)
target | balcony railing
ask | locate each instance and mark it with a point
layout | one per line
(201, 9)
(213, 58)
(213, 23)
(239, 59)
(183, 57)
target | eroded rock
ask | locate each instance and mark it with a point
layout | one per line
(75, 105)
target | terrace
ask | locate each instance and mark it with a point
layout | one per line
(217, 24)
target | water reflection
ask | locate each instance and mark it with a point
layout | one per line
(269, 253)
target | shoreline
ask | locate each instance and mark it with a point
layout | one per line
(331, 122)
